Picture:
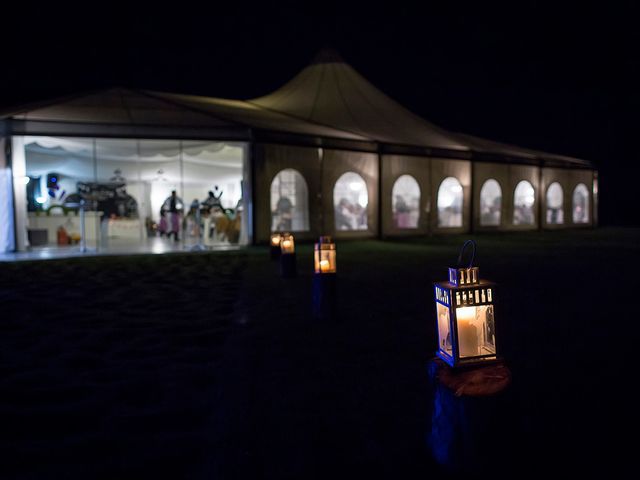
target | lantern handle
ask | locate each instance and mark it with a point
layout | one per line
(473, 253)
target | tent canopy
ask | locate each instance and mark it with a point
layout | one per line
(330, 92)
(326, 100)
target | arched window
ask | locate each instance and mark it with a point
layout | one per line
(490, 204)
(405, 202)
(523, 200)
(350, 200)
(581, 204)
(555, 201)
(450, 203)
(289, 202)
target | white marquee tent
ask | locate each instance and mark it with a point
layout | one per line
(327, 153)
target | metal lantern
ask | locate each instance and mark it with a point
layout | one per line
(324, 256)
(274, 245)
(287, 244)
(466, 315)
(288, 264)
(324, 279)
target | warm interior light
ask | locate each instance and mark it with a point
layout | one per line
(363, 199)
(275, 240)
(467, 331)
(324, 256)
(445, 199)
(287, 244)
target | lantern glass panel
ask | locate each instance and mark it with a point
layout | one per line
(275, 239)
(476, 331)
(287, 244)
(444, 329)
(324, 261)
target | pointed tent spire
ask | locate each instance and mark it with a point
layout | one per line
(330, 92)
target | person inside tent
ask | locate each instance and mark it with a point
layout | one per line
(173, 206)
(283, 213)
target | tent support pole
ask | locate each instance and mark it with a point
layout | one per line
(8, 153)
(252, 169)
(472, 199)
(380, 199)
(540, 196)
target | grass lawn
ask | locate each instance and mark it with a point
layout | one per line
(209, 365)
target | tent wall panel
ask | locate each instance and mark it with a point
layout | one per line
(271, 159)
(481, 173)
(460, 170)
(576, 177)
(393, 166)
(549, 176)
(517, 173)
(334, 164)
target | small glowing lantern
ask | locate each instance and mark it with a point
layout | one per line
(324, 279)
(287, 244)
(274, 245)
(324, 256)
(288, 264)
(465, 316)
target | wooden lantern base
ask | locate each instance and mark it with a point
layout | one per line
(288, 265)
(324, 296)
(469, 416)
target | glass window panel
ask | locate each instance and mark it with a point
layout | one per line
(212, 186)
(523, 201)
(119, 191)
(289, 202)
(555, 200)
(476, 331)
(57, 168)
(490, 203)
(405, 201)
(444, 329)
(350, 201)
(581, 204)
(450, 198)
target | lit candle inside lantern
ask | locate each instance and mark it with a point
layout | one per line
(286, 245)
(275, 240)
(324, 256)
(467, 332)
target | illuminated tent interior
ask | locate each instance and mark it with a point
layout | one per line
(327, 153)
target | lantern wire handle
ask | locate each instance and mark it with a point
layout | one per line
(473, 253)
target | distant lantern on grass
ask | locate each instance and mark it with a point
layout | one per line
(274, 245)
(324, 279)
(324, 256)
(287, 255)
(465, 312)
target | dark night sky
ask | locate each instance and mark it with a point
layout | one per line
(559, 78)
